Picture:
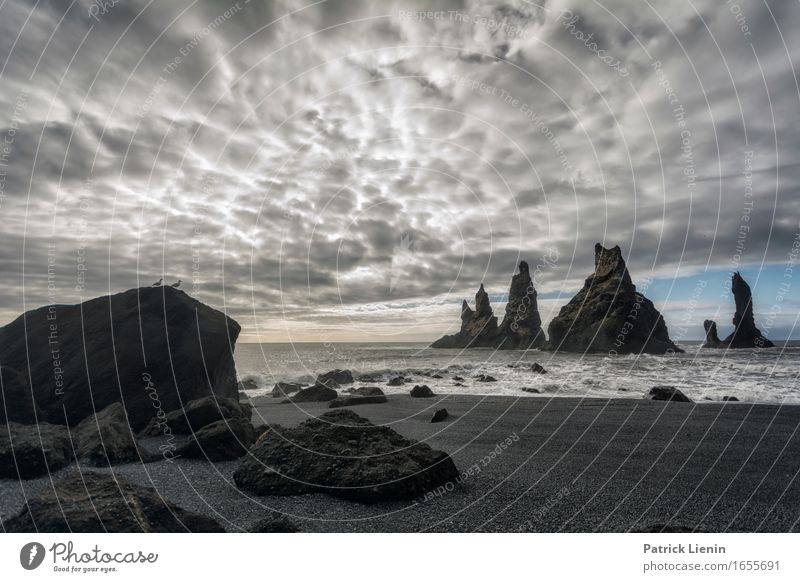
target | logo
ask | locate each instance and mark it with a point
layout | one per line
(31, 555)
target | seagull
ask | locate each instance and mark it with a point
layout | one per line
(178, 284)
(157, 283)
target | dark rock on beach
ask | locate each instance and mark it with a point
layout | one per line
(397, 381)
(197, 414)
(97, 502)
(538, 369)
(37, 449)
(668, 393)
(730, 399)
(275, 523)
(106, 438)
(485, 378)
(345, 455)
(745, 333)
(315, 393)
(222, 440)
(84, 357)
(521, 327)
(421, 391)
(609, 314)
(440, 415)
(365, 391)
(282, 389)
(335, 378)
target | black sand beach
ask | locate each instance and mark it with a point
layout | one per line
(562, 464)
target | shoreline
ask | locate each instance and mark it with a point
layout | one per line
(572, 464)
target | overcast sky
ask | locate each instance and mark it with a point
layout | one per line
(346, 170)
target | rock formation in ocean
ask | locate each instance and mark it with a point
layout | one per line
(521, 327)
(609, 315)
(342, 454)
(745, 333)
(153, 349)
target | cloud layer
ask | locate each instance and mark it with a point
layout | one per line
(351, 171)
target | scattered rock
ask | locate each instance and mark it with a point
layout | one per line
(275, 523)
(335, 378)
(89, 502)
(220, 441)
(371, 377)
(609, 315)
(37, 449)
(106, 438)
(397, 381)
(730, 399)
(17, 403)
(745, 333)
(344, 455)
(440, 415)
(315, 393)
(188, 354)
(458, 379)
(195, 415)
(421, 391)
(458, 384)
(485, 378)
(282, 389)
(669, 393)
(437, 376)
(248, 384)
(355, 400)
(532, 390)
(538, 369)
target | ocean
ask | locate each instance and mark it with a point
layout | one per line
(768, 375)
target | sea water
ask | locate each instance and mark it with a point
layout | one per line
(751, 375)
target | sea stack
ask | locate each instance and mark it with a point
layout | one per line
(745, 333)
(521, 327)
(609, 315)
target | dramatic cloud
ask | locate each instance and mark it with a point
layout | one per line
(352, 170)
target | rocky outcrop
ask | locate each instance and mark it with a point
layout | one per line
(150, 348)
(712, 339)
(285, 389)
(90, 502)
(440, 415)
(197, 414)
(521, 327)
(609, 315)
(335, 378)
(422, 391)
(345, 455)
(478, 327)
(106, 438)
(17, 403)
(222, 440)
(32, 450)
(745, 333)
(667, 393)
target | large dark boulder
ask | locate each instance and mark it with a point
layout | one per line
(345, 455)
(609, 315)
(222, 440)
(365, 391)
(37, 450)
(667, 393)
(197, 414)
(106, 438)
(90, 502)
(315, 393)
(422, 391)
(335, 378)
(285, 389)
(151, 348)
(17, 403)
(745, 333)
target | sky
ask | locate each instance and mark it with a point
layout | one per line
(350, 171)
